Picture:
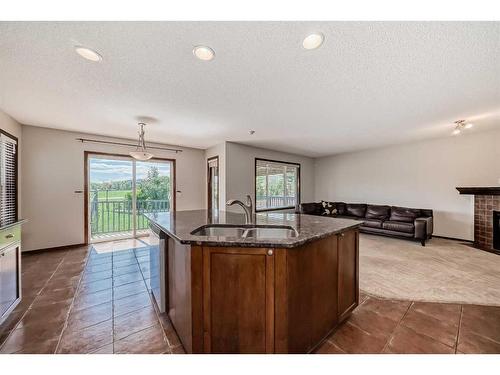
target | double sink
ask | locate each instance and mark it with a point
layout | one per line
(261, 232)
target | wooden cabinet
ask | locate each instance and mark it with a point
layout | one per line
(348, 273)
(262, 300)
(10, 270)
(238, 300)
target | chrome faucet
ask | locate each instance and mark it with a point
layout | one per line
(248, 208)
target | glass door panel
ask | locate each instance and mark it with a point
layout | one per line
(154, 187)
(110, 200)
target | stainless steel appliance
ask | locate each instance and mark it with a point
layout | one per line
(158, 269)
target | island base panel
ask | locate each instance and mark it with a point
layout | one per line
(262, 300)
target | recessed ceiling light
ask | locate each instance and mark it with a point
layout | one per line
(469, 125)
(204, 53)
(456, 132)
(313, 41)
(88, 54)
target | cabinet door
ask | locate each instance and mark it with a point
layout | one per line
(238, 299)
(348, 272)
(9, 278)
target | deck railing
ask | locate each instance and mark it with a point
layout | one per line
(274, 201)
(113, 216)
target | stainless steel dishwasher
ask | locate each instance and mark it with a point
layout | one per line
(158, 266)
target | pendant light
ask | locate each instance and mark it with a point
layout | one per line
(141, 153)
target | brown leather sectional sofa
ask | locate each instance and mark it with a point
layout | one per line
(404, 222)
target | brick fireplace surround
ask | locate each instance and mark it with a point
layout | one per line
(486, 200)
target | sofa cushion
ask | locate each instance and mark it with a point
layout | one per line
(355, 209)
(404, 214)
(377, 212)
(328, 208)
(372, 223)
(399, 226)
(340, 206)
(311, 208)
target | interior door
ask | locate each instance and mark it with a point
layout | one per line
(213, 183)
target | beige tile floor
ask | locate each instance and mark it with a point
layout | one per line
(90, 299)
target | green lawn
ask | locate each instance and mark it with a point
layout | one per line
(113, 194)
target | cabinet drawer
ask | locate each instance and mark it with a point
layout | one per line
(9, 236)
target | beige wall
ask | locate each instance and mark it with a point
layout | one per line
(14, 128)
(422, 175)
(53, 168)
(240, 171)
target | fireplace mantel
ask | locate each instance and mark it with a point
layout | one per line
(479, 190)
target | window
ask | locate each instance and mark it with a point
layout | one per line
(276, 185)
(8, 179)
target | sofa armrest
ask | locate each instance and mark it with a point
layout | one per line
(423, 227)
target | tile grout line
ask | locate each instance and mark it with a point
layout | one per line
(73, 299)
(459, 326)
(344, 323)
(331, 343)
(32, 302)
(396, 327)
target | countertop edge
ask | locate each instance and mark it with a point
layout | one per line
(299, 243)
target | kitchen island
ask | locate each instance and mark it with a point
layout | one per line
(281, 285)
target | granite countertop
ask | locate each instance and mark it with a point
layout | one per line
(180, 224)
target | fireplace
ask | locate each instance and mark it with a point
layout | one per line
(496, 230)
(486, 216)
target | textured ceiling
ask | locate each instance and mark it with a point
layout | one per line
(370, 83)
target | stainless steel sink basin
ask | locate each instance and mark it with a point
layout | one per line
(259, 232)
(219, 231)
(277, 233)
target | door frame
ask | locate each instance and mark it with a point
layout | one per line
(209, 190)
(86, 184)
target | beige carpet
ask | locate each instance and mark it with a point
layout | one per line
(442, 271)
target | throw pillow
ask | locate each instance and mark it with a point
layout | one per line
(328, 208)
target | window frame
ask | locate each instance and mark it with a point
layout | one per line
(16, 160)
(255, 184)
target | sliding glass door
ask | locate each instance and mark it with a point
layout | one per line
(121, 190)
(153, 190)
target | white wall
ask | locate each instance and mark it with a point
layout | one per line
(53, 168)
(421, 175)
(220, 151)
(14, 128)
(240, 171)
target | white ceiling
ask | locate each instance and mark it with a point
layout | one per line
(369, 84)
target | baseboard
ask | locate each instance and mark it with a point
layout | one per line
(452, 238)
(55, 248)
